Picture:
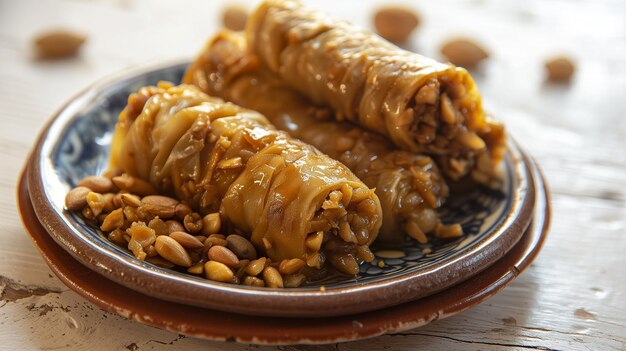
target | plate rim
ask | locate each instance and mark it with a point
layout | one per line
(336, 301)
(225, 326)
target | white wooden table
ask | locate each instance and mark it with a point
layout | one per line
(572, 298)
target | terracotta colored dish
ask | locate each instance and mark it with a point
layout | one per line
(217, 325)
(75, 144)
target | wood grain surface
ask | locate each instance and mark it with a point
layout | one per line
(572, 297)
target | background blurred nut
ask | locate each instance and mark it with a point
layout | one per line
(58, 44)
(234, 17)
(395, 23)
(463, 52)
(241, 246)
(560, 69)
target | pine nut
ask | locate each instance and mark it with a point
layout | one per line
(255, 267)
(314, 241)
(346, 233)
(472, 140)
(253, 281)
(197, 268)
(448, 231)
(414, 231)
(314, 260)
(218, 272)
(172, 251)
(188, 241)
(345, 263)
(292, 266)
(294, 281)
(211, 223)
(346, 190)
(241, 246)
(223, 255)
(363, 252)
(272, 278)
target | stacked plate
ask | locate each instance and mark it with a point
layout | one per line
(417, 283)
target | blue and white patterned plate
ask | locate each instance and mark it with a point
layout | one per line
(76, 144)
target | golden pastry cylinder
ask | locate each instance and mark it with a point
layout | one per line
(215, 155)
(421, 105)
(409, 186)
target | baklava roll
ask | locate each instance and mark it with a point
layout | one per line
(409, 186)
(421, 105)
(289, 198)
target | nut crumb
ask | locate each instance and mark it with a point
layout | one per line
(464, 52)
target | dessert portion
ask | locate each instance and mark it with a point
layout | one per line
(421, 105)
(409, 185)
(218, 159)
(202, 181)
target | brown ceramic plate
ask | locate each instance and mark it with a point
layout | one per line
(219, 325)
(76, 142)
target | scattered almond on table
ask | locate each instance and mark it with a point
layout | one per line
(234, 17)
(464, 52)
(395, 23)
(58, 44)
(559, 69)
